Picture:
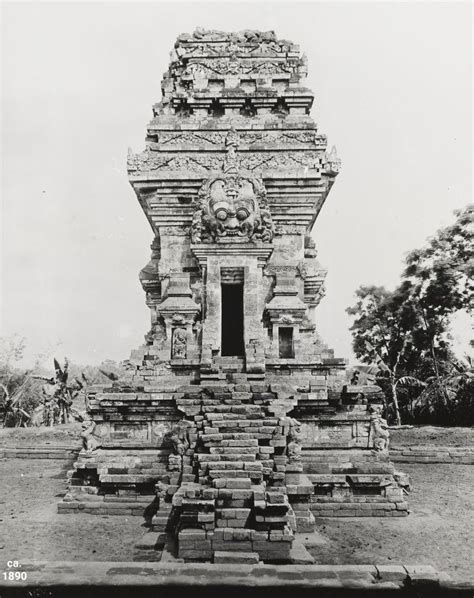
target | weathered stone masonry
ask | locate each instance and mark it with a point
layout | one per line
(232, 413)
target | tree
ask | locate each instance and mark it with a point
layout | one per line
(381, 335)
(17, 389)
(458, 386)
(438, 282)
(406, 331)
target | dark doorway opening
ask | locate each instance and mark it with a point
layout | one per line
(285, 342)
(232, 320)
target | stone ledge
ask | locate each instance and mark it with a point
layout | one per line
(408, 454)
(362, 577)
(433, 454)
(40, 452)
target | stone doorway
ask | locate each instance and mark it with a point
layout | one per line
(232, 325)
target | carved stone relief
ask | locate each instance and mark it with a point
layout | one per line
(234, 66)
(150, 161)
(231, 204)
(179, 344)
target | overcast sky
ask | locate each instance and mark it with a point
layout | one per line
(393, 87)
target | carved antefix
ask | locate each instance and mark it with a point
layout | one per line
(231, 205)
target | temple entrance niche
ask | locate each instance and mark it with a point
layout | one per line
(285, 343)
(232, 312)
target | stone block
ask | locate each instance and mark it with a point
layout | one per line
(422, 575)
(238, 483)
(206, 517)
(233, 546)
(275, 498)
(196, 554)
(395, 573)
(241, 558)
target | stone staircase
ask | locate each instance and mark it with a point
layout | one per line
(236, 430)
(242, 494)
(230, 370)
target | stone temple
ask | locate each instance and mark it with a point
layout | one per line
(233, 431)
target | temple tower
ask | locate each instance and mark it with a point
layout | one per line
(232, 179)
(232, 412)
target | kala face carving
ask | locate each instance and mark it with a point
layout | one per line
(231, 205)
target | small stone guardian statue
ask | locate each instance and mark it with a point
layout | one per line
(89, 441)
(379, 435)
(294, 442)
(179, 440)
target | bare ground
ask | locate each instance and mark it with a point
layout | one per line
(63, 435)
(31, 528)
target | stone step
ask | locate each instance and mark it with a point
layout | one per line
(305, 521)
(231, 523)
(128, 479)
(217, 474)
(230, 513)
(235, 450)
(227, 418)
(151, 541)
(240, 423)
(220, 461)
(214, 377)
(223, 359)
(188, 477)
(140, 499)
(261, 507)
(274, 519)
(358, 509)
(159, 522)
(147, 471)
(101, 508)
(242, 439)
(218, 440)
(233, 482)
(237, 558)
(241, 379)
(216, 463)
